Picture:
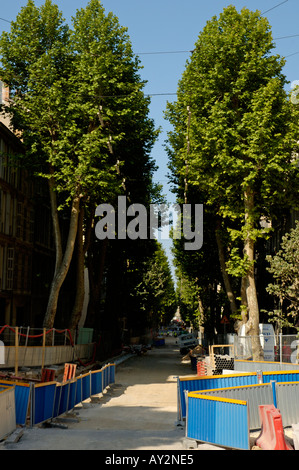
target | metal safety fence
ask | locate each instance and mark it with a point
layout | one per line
(196, 384)
(37, 403)
(225, 421)
(225, 415)
(277, 348)
(32, 347)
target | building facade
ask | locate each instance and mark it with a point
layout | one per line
(27, 254)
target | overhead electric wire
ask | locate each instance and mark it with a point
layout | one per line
(290, 55)
(191, 51)
(164, 52)
(276, 6)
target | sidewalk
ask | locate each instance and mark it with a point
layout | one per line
(139, 412)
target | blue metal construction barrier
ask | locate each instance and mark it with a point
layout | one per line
(205, 408)
(194, 384)
(254, 395)
(97, 381)
(42, 400)
(86, 386)
(218, 421)
(281, 376)
(52, 399)
(22, 399)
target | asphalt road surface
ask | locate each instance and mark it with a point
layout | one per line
(138, 412)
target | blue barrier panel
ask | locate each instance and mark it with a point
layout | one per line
(78, 396)
(43, 397)
(72, 394)
(254, 395)
(57, 400)
(193, 384)
(281, 376)
(96, 382)
(112, 374)
(64, 398)
(86, 388)
(51, 399)
(105, 377)
(218, 421)
(22, 399)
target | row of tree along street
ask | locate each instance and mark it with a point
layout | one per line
(77, 101)
(234, 148)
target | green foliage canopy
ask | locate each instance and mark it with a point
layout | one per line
(241, 132)
(73, 91)
(284, 266)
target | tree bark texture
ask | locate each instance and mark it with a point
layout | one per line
(252, 325)
(80, 288)
(62, 267)
(225, 276)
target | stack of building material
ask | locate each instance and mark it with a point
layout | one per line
(222, 362)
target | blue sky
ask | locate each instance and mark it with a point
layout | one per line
(163, 31)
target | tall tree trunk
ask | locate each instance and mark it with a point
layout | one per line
(55, 222)
(225, 276)
(80, 288)
(96, 267)
(252, 326)
(62, 262)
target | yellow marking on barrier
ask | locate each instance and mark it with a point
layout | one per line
(262, 362)
(280, 372)
(44, 384)
(84, 375)
(231, 388)
(105, 367)
(287, 383)
(5, 389)
(221, 399)
(203, 377)
(23, 384)
(101, 370)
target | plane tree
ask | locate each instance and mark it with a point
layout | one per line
(73, 90)
(241, 138)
